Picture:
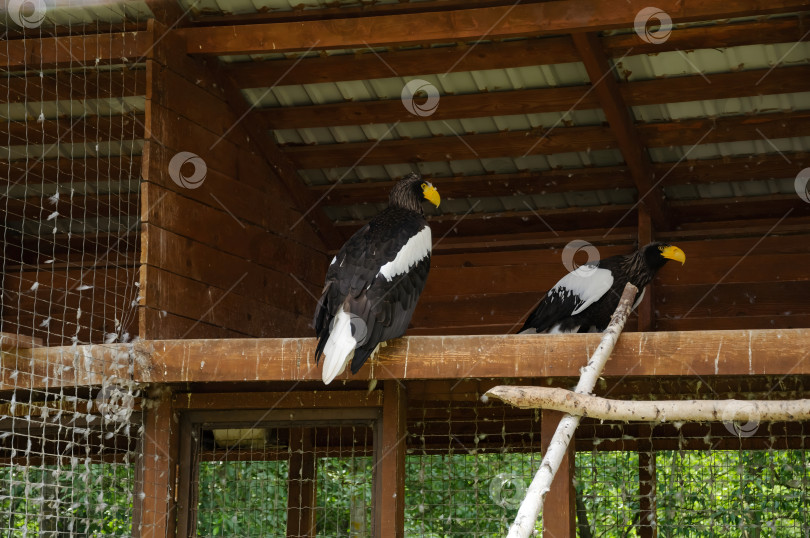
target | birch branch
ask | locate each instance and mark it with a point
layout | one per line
(586, 405)
(535, 495)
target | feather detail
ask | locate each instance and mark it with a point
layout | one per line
(339, 348)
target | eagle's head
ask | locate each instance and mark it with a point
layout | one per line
(409, 192)
(657, 254)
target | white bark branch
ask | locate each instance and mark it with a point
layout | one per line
(652, 411)
(533, 502)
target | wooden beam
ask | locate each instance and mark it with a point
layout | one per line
(645, 310)
(301, 484)
(460, 106)
(559, 509)
(621, 122)
(743, 352)
(75, 51)
(773, 206)
(367, 64)
(553, 17)
(726, 129)
(279, 400)
(547, 181)
(389, 510)
(68, 171)
(447, 148)
(719, 34)
(647, 498)
(168, 12)
(566, 98)
(157, 462)
(69, 130)
(66, 85)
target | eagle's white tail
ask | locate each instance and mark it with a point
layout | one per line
(339, 348)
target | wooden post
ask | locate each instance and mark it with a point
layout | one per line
(389, 503)
(302, 481)
(646, 309)
(155, 493)
(559, 510)
(647, 522)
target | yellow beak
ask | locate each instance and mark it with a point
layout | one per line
(674, 253)
(431, 194)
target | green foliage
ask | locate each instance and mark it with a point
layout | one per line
(88, 500)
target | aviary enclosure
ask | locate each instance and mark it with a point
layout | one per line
(176, 176)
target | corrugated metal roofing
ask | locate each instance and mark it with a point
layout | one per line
(72, 13)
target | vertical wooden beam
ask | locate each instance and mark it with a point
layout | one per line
(647, 522)
(302, 480)
(155, 492)
(389, 504)
(559, 509)
(620, 118)
(646, 310)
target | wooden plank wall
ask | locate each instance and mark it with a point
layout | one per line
(219, 260)
(734, 283)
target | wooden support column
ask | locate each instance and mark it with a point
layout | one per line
(155, 491)
(389, 502)
(559, 509)
(645, 310)
(647, 522)
(302, 483)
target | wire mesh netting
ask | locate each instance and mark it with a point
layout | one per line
(307, 480)
(468, 466)
(70, 142)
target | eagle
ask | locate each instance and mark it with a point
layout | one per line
(374, 281)
(584, 300)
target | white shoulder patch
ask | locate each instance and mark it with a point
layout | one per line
(415, 250)
(588, 283)
(333, 261)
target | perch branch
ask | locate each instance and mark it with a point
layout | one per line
(533, 502)
(656, 411)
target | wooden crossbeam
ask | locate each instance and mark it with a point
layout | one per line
(690, 353)
(368, 65)
(69, 130)
(558, 180)
(492, 22)
(70, 170)
(558, 140)
(73, 85)
(704, 171)
(606, 88)
(566, 98)
(75, 51)
(448, 148)
(503, 55)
